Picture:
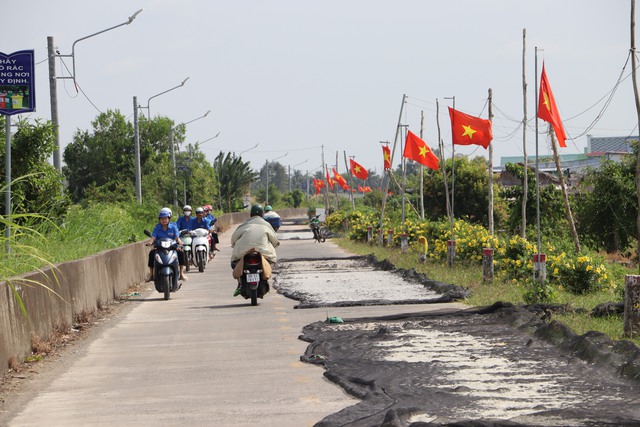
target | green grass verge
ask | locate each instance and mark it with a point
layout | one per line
(483, 294)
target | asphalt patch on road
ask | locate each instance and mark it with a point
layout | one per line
(494, 366)
(358, 281)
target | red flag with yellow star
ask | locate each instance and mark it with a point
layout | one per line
(416, 149)
(357, 170)
(468, 130)
(386, 155)
(330, 181)
(548, 110)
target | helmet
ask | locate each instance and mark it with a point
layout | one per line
(199, 210)
(208, 207)
(257, 210)
(268, 208)
(164, 213)
(186, 208)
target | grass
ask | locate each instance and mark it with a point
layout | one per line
(482, 294)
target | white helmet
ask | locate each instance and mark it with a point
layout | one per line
(165, 212)
(186, 208)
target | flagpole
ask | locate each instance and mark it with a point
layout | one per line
(325, 193)
(537, 160)
(403, 163)
(443, 160)
(346, 165)
(385, 181)
(422, 169)
(491, 167)
(452, 243)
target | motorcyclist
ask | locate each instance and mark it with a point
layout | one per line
(314, 224)
(272, 218)
(200, 221)
(254, 233)
(208, 213)
(183, 221)
(165, 229)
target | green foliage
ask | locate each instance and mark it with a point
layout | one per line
(293, 199)
(39, 187)
(578, 274)
(606, 207)
(235, 177)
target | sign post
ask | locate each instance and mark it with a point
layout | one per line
(17, 95)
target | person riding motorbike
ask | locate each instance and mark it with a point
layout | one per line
(272, 218)
(183, 221)
(314, 224)
(254, 233)
(208, 213)
(165, 229)
(200, 221)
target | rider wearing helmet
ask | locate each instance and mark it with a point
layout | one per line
(272, 217)
(254, 233)
(183, 221)
(165, 229)
(208, 214)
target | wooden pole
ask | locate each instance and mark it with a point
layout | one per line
(637, 97)
(346, 165)
(525, 182)
(443, 161)
(490, 167)
(565, 195)
(421, 170)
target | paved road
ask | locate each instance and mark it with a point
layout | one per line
(203, 358)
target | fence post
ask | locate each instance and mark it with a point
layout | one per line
(487, 264)
(424, 246)
(632, 306)
(369, 234)
(390, 238)
(539, 267)
(404, 243)
(380, 237)
(451, 252)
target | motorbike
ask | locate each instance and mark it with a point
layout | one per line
(319, 232)
(252, 286)
(188, 253)
(166, 266)
(200, 247)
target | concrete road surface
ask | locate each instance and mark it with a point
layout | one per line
(204, 358)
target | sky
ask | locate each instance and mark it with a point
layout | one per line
(300, 78)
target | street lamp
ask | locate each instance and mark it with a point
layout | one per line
(53, 87)
(267, 192)
(248, 149)
(294, 166)
(137, 136)
(173, 155)
(199, 143)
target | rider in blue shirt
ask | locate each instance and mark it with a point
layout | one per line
(208, 213)
(183, 221)
(165, 229)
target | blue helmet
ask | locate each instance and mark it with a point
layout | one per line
(164, 213)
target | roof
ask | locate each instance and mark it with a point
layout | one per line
(610, 144)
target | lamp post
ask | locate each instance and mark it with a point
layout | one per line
(137, 136)
(244, 151)
(173, 155)
(294, 166)
(267, 164)
(53, 87)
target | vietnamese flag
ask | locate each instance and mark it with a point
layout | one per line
(357, 170)
(386, 155)
(548, 110)
(340, 179)
(329, 180)
(468, 130)
(319, 184)
(417, 150)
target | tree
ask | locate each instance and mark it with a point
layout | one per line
(235, 178)
(37, 186)
(606, 205)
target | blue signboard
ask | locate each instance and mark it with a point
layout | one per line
(17, 83)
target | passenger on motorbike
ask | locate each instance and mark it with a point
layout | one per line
(208, 213)
(165, 229)
(200, 221)
(183, 221)
(272, 218)
(254, 233)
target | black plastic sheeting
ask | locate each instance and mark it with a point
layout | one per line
(602, 375)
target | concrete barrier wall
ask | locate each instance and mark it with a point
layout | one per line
(75, 288)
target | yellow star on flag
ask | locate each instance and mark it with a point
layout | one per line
(468, 131)
(546, 101)
(357, 169)
(423, 151)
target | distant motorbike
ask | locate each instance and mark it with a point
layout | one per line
(166, 266)
(188, 253)
(251, 283)
(319, 231)
(200, 247)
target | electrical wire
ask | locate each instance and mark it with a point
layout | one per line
(78, 88)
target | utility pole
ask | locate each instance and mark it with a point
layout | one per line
(637, 98)
(525, 183)
(490, 167)
(53, 96)
(422, 169)
(136, 137)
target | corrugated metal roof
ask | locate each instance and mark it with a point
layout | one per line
(611, 144)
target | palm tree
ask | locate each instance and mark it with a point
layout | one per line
(234, 178)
